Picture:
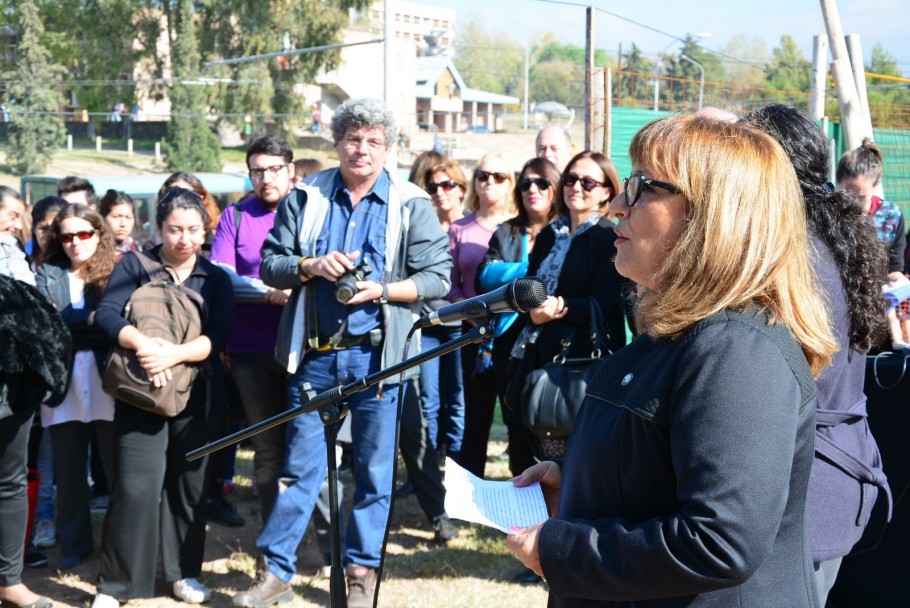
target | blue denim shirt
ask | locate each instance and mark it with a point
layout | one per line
(348, 228)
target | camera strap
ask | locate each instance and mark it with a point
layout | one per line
(336, 338)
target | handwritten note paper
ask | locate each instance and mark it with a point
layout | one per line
(497, 504)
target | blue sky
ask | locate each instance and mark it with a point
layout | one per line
(884, 21)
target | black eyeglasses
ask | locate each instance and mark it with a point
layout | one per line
(446, 186)
(483, 176)
(635, 184)
(260, 172)
(587, 183)
(82, 235)
(542, 183)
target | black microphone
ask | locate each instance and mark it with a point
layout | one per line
(521, 295)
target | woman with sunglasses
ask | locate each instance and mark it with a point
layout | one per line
(507, 260)
(574, 257)
(685, 479)
(490, 203)
(441, 382)
(73, 270)
(158, 498)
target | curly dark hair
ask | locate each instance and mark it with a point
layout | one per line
(96, 270)
(835, 217)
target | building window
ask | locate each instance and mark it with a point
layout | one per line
(397, 16)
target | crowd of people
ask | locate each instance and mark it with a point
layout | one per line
(688, 478)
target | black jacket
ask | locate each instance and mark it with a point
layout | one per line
(588, 270)
(51, 280)
(35, 350)
(686, 475)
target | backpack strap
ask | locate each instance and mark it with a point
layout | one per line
(155, 269)
(238, 214)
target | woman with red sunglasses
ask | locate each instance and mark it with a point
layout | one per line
(490, 203)
(73, 270)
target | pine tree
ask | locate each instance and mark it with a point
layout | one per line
(191, 145)
(35, 128)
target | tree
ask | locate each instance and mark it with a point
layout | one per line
(752, 53)
(98, 43)
(636, 85)
(559, 80)
(789, 69)
(240, 28)
(489, 61)
(35, 129)
(191, 145)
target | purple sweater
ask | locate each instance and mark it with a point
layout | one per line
(468, 242)
(255, 325)
(847, 469)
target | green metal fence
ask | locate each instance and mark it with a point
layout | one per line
(895, 145)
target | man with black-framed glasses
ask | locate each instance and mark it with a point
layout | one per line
(259, 380)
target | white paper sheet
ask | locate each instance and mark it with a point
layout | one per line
(497, 504)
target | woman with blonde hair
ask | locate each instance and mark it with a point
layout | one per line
(489, 204)
(686, 475)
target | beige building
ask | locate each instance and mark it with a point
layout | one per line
(416, 23)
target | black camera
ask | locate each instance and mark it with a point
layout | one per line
(345, 287)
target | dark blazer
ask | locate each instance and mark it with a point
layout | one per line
(51, 280)
(685, 478)
(588, 270)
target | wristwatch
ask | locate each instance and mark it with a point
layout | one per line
(301, 271)
(384, 298)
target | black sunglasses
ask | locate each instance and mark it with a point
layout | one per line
(542, 183)
(83, 235)
(446, 186)
(483, 176)
(635, 184)
(587, 183)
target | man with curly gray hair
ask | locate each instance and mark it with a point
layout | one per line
(358, 215)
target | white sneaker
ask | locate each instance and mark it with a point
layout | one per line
(191, 591)
(105, 601)
(45, 534)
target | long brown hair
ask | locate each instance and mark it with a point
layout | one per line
(97, 269)
(746, 237)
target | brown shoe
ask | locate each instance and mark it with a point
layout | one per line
(266, 590)
(361, 585)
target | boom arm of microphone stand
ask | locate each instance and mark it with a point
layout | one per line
(340, 393)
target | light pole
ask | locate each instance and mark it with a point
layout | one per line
(698, 36)
(701, 86)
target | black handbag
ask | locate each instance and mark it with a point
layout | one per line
(551, 396)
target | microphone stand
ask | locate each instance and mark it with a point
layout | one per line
(332, 411)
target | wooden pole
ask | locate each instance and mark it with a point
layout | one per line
(819, 76)
(845, 87)
(608, 112)
(589, 68)
(855, 52)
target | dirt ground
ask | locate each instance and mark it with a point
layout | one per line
(472, 570)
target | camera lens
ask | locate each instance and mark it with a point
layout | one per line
(344, 291)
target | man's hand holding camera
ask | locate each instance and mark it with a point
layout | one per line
(337, 265)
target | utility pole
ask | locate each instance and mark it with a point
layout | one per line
(589, 69)
(819, 77)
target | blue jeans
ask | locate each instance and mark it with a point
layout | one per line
(442, 390)
(373, 438)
